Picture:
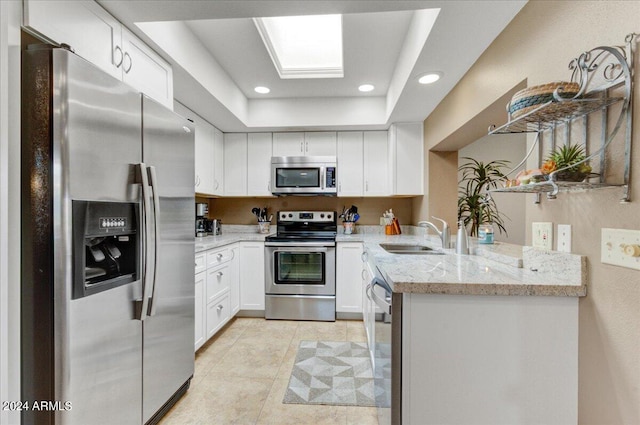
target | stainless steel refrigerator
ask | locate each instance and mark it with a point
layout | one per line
(107, 247)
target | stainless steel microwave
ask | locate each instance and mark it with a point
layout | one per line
(304, 175)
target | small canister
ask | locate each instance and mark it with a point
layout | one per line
(485, 233)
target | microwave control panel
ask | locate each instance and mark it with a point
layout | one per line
(330, 177)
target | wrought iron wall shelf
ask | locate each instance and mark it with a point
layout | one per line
(605, 78)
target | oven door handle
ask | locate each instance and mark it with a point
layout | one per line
(306, 250)
(303, 245)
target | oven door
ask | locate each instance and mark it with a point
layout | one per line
(300, 268)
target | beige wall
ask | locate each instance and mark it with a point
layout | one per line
(537, 47)
(512, 148)
(238, 210)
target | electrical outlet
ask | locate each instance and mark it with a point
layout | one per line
(542, 235)
(564, 237)
(620, 247)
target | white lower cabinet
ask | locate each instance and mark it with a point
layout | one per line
(234, 283)
(349, 277)
(218, 313)
(199, 311)
(252, 275)
(216, 291)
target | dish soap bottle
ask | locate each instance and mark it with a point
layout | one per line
(462, 240)
(485, 233)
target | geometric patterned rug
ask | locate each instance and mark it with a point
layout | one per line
(336, 373)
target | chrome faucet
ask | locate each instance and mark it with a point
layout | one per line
(445, 234)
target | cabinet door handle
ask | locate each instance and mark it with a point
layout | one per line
(362, 274)
(301, 147)
(220, 274)
(216, 184)
(118, 49)
(126, 70)
(364, 256)
(220, 307)
(340, 187)
(366, 186)
(220, 256)
(197, 181)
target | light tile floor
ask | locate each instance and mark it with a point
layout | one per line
(242, 373)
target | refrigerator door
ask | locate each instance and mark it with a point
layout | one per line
(168, 360)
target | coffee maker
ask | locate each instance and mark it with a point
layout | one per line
(202, 211)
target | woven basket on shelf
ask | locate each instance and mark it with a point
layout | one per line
(530, 98)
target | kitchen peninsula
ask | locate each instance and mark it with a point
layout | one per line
(480, 340)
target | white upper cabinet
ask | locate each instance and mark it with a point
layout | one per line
(288, 144)
(259, 164)
(204, 155)
(363, 163)
(208, 153)
(376, 163)
(235, 164)
(406, 155)
(143, 69)
(218, 162)
(99, 38)
(321, 143)
(350, 163)
(89, 29)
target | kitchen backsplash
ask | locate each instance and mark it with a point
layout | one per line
(238, 210)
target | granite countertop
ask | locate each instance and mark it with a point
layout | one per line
(495, 270)
(226, 238)
(498, 269)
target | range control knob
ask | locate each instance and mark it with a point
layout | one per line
(284, 216)
(290, 215)
(321, 215)
(329, 216)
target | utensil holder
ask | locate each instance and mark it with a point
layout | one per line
(349, 227)
(264, 227)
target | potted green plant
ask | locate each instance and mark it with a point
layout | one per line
(475, 206)
(562, 160)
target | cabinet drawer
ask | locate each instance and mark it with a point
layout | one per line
(218, 256)
(201, 262)
(218, 279)
(218, 312)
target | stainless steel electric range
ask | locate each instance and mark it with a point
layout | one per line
(300, 267)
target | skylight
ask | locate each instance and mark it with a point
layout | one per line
(304, 46)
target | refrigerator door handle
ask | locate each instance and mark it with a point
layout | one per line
(142, 305)
(156, 236)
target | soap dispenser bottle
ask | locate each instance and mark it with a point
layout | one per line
(462, 240)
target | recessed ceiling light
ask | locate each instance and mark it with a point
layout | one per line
(429, 78)
(366, 87)
(262, 90)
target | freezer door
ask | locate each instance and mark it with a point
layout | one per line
(168, 359)
(80, 140)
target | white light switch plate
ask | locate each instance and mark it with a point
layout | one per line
(620, 247)
(564, 238)
(542, 235)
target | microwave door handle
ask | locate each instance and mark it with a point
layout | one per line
(323, 180)
(143, 304)
(156, 237)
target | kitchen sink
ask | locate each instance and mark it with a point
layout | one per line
(413, 249)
